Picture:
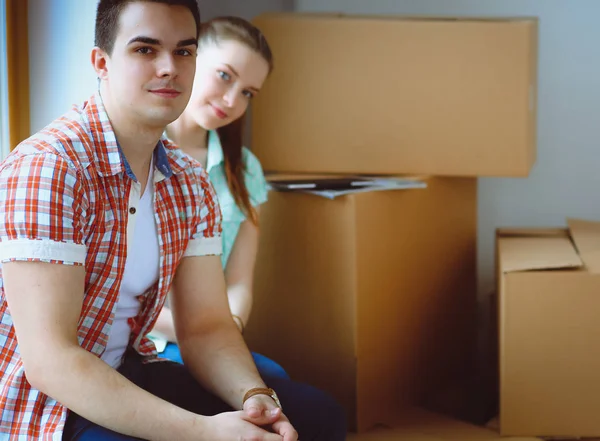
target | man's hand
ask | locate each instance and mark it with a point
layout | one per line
(235, 425)
(262, 411)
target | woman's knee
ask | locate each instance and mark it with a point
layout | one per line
(315, 414)
(335, 421)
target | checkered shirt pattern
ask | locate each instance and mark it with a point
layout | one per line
(63, 199)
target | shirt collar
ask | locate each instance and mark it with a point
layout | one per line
(214, 155)
(107, 152)
(160, 161)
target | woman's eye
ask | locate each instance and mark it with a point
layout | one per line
(248, 94)
(224, 75)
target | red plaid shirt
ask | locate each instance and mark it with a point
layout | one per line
(64, 197)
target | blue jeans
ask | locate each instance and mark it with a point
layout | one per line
(315, 415)
(266, 366)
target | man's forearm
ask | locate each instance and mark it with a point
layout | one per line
(220, 360)
(94, 390)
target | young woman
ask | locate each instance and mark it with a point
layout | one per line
(233, 61)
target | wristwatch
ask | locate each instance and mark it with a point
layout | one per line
(263, 391)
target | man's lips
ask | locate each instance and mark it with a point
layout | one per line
(166, 93)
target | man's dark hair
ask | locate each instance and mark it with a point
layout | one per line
(109, 11)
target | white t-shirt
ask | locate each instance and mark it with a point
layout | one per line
(141, 268)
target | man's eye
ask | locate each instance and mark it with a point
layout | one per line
(185, 52)
(144, 50)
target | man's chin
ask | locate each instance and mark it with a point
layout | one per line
(162, 117)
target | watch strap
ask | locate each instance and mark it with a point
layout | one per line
(262, 391)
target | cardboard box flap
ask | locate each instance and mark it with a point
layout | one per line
(537, 253)
(532, 232)
(586, 235)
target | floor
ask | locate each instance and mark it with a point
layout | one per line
(421, 425)
(399, 435)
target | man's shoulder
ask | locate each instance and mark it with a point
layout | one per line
(182, 163)
(175, 154)
(192, 178)
(67, 138)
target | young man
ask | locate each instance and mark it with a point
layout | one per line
(100, 218)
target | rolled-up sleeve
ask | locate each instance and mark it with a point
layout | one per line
(255, 180)
(206, 239)
(42, 217)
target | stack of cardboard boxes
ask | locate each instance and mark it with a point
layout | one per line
(372, 296)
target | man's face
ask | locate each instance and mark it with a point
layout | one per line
(150, 73)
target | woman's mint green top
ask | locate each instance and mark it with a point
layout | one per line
(231, 214)
(255, 183)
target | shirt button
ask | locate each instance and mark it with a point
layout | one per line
(132, 210)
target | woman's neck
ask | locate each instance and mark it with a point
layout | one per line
(189, 137)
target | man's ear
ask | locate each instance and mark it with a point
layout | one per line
(100, 63)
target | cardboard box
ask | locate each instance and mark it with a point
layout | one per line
(370, 296)
(549, 301)
(390, 95)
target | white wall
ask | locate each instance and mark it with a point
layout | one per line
(566, 179)
(61, 37)
(247, 9)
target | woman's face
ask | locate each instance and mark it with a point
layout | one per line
(228, 76)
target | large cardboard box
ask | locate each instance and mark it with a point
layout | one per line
(549, 301)
(389, 95)
(371, 296)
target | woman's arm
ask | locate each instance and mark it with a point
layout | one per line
(239, 275)
(239, 272)
(164, 325)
